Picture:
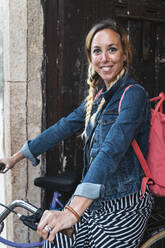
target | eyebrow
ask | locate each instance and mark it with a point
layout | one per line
(110, 45)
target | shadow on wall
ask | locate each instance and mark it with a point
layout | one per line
(2, 195)
(1, 93)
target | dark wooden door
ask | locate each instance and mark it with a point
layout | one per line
(65, 67)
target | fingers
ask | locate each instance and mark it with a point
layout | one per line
(49, 233)
(41, 230)
(54, 221)
(3, 166)
(47, 225)
(6, 164)
(45, 234)
(52, 234)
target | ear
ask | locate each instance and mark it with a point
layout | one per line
(125, 60)
(124, 57)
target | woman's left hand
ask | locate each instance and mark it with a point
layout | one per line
(53, 221)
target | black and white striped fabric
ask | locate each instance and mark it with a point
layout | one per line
(119, 223)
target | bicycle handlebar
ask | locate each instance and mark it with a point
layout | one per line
(30, 221)
(2, 166)
(28, 206)
(17, 203)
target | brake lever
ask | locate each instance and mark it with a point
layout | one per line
(32, 220)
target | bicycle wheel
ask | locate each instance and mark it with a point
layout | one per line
(156, 241)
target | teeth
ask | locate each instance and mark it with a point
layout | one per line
(105, 68)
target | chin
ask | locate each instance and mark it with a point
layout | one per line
(108, 80)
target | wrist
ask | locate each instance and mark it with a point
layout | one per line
(71, 210)
(15, 158)
(80, 204)
(71, 216)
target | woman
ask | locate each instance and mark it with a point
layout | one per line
(106, 208)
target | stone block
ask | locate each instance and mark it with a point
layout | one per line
(17, 41)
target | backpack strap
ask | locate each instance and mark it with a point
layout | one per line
(159, 105)
(98, 94)
(148, 177)
(121, 99)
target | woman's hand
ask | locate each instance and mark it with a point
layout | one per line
(11, 161)
(59, 220)
(8, 164)
(55, 221)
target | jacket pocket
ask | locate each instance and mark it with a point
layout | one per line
(105, 123)
(93, 154)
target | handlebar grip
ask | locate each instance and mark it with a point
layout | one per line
(2, 166)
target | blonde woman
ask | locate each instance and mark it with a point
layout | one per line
(106, 209)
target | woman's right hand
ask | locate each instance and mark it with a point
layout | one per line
(6, 164)
(10, 162)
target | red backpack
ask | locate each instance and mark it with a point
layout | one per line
(154, 164)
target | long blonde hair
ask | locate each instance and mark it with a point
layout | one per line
(93, 78)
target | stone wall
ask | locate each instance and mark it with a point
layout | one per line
(23, 53)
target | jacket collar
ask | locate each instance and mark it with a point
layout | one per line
(121, 83)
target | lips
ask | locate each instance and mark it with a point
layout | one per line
(106, 68)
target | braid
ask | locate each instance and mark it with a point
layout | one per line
(92, 83)
(98, 109)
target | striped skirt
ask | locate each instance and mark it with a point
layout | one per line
(119, 223)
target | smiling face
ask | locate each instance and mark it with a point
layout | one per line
(107, 55)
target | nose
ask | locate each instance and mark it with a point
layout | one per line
(104, 57)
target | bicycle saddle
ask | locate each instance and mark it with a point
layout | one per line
(64, 182)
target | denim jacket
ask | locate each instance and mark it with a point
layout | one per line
(111, 168)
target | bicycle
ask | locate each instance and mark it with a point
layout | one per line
(64, 183)
(154, 236)
(155, 241)
(67, 181)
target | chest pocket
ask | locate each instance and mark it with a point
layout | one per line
(106, 121)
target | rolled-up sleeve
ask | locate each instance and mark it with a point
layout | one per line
(27, 154)
(90, 190)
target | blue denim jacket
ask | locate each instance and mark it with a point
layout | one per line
(111, 168)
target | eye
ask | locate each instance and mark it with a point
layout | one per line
(96, 51)
(112, 49)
